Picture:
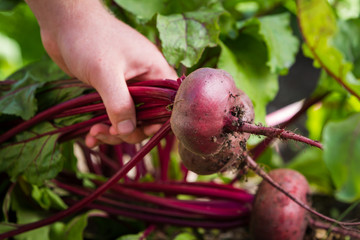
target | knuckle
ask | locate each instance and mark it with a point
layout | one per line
(121, 110)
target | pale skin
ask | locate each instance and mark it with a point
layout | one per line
(90, 44)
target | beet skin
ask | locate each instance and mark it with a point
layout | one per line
(204, 99)
(274, 215)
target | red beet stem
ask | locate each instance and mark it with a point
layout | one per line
(94, 195)
(233, 124)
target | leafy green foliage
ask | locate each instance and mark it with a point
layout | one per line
(336, 106)
(275, 31)
(311, 164)
(21, 28)
(20, 99)
(245, 59)
(185, 28)
(38, 159)
(26, 213)
(6, 5)
(319, 26)
(185, 36)
(347, 9)
(143, 9)
(342, 154)
(185, 236)
(47, 198)
(73, 230)
(347, 41)
(130, 237)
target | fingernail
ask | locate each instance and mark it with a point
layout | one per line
(125, 127)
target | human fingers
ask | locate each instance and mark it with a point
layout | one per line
(135, 137)
(151, 129)
(119, 105)
(98, 134)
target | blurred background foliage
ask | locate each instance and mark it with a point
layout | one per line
(20, 41)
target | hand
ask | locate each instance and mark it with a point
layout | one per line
(88, 43)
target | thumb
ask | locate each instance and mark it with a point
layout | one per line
(118, 103)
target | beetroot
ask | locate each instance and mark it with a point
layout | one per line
(274, 215)
(213, 163)
(213, 120)
(204, 99)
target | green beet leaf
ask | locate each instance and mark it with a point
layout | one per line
(335, 106)
(26, 213)
(245, 59)
(21, 26)
(7, 5)
(185, 236)
(39, 159)
(281, 44)
(20, 99)
(73, 230)
(143, 9)
(347, 40)
(5, 227)
(347, 9)
(185, 36)
(318, 26)
(22, 102)
(130, 237)
(342, 156)
(47, 198)
(310, 163)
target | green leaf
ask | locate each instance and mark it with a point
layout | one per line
(55, 96)
(276, 33)
(245, 59)
(319, 26)
(7, 5)
(25, 213)
(310, 163)
(185, 36)
(21, 102)
(47, 199)
(21, 25)
(347, 9)
(74, 230)
(5, 227)
(347, 40)
(39, 159)
(335, 106)
(342, 156)
(67, 150)
(20, 99)
(130, 237)
(271, 159)
(175, 172)
(282, 46)
(327, 84)
(185, 236)
(143, 9)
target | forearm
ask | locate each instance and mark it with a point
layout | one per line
(52, 15)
